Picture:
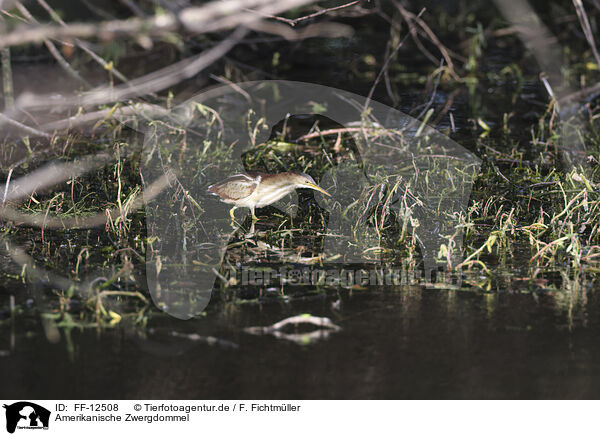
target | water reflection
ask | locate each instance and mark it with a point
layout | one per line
(393, 343)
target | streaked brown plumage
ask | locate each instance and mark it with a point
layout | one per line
(254, 190)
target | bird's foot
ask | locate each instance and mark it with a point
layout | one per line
(232, 215)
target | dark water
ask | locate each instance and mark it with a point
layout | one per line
(409, 343)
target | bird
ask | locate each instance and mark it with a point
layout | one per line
(256, 189)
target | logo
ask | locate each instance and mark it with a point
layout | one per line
(26, 415)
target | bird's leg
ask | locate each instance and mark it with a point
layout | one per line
(254, 218)
(231, 214)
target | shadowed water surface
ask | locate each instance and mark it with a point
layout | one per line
(409, 343)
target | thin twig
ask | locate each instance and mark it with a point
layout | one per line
(211, 17)
(446, 108)
(433, 94)
(153, 82)
(23, 127)
(82, 45)
(6, 185)
(53, 174)
(587, 29)
(329, 30)
(38, 220)
(335, 132)
(7, 79)
(411, 19)
(293, 22)
(384, 68)
(590, 91)
(317, 321)
(53, 50)
(120, 113)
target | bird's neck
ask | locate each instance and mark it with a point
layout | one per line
(279, 191)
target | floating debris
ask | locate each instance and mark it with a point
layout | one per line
(324, 327)
(210, 340)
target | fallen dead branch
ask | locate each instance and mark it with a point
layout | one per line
(22, 127)
(122, 114)
(293, 22)
(81, 44)
(48, 222)
(329, 30)
(153, 82)
(319, 322)
(53, 50)
(212, 17)
(587, 29)
(51, 175)
(324, 328)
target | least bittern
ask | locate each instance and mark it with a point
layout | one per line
(254, 190)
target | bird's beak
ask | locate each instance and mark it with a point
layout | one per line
(318, 188)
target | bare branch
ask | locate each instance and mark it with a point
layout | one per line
(331, 30)
(149, 83)
(411, 19)
(121, 113)
(82, 45)
(293, 22)
(50, 175)
(323, 327)
(7, 78)
(319, 322)
(22, 127)
(42, 221)
(212, 17)
(53, 50)
(587, 29)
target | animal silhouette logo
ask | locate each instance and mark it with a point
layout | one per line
(26, 415)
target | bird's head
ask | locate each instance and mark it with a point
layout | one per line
(305, 181)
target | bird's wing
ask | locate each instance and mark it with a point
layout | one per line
(235, 187)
